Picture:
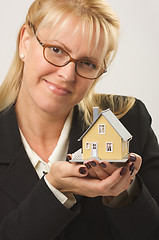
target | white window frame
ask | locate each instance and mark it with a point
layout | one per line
(87, 145)
(101, 128)
(106, 146)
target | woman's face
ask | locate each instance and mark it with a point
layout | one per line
(55, 90)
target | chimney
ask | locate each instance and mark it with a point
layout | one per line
(95, 113)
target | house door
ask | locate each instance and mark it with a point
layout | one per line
(94, 149)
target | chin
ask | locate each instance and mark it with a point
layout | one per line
(53, 109)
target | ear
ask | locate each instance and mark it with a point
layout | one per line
(24, 42)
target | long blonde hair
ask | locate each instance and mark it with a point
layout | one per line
(94, 14)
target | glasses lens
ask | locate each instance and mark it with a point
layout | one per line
(59, 57)
(88, 69)
(56, 56)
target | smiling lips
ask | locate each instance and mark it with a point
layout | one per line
(61, 91)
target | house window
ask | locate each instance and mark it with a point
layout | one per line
(109, 147)
(87, 145)
(101, 128)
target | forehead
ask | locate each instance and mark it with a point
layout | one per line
(75, 34)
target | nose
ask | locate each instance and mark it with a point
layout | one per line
(67, 73)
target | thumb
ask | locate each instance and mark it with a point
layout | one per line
(67, 169)
(83, 172)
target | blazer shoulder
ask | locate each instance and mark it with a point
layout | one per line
(139, 111)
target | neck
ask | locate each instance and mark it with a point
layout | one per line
(41, 130)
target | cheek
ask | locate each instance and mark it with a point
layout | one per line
(35, 65)
(84, 86)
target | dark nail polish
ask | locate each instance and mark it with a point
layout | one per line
(132, 171)
(131, 167)
(128, 161)
(68, 158)
(102, 164)
(123, 170)
(82, 170)
(131, 181)
(132, 158)
(88, 165)
(93, 163)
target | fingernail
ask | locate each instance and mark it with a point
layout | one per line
(68, 158)
(88, 165)
(82, 170)
(123, 170)
(132, 171)
(131, 181)
(132, 158)
(102, 164)
(93, 163)
(131, 167)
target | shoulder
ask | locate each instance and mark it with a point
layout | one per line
(131, 111)
(123, 106)
(138, 113)
(138, 122)
(8, 125)
(7, 115)
(118, 104)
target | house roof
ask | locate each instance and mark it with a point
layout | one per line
(115, 123)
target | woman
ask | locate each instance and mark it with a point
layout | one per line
(46, 103)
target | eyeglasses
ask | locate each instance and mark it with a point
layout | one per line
(60, 58)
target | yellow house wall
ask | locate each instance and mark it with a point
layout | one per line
(110, 136)
(125, 148)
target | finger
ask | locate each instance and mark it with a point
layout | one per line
(136, 159)
(110, 167)
(119, 180)
(78, 170)
(123, 183)
(107, 186)
(68, 157)
(65, 169)
(99, 169)
(91, 172)
(112, 180)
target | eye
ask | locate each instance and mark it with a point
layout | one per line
(56, 50)
(90, 65)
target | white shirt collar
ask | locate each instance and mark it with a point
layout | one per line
(59, 153)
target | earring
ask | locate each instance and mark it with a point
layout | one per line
(22, 56)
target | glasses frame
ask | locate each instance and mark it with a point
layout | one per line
(103, 70)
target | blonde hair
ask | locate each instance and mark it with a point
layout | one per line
(94, 15)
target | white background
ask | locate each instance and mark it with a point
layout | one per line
(135, 70)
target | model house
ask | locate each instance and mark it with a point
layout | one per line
(106, 139)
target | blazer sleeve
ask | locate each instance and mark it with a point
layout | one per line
(39, 216)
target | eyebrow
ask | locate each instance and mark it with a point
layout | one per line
(64, 46)
(90, 59)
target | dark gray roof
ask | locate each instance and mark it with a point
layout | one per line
(115, 123)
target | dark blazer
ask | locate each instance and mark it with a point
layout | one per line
(30, 211)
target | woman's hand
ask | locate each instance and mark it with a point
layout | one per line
(103, 169)
(95, 181)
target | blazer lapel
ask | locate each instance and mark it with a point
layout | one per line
(19, 176)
